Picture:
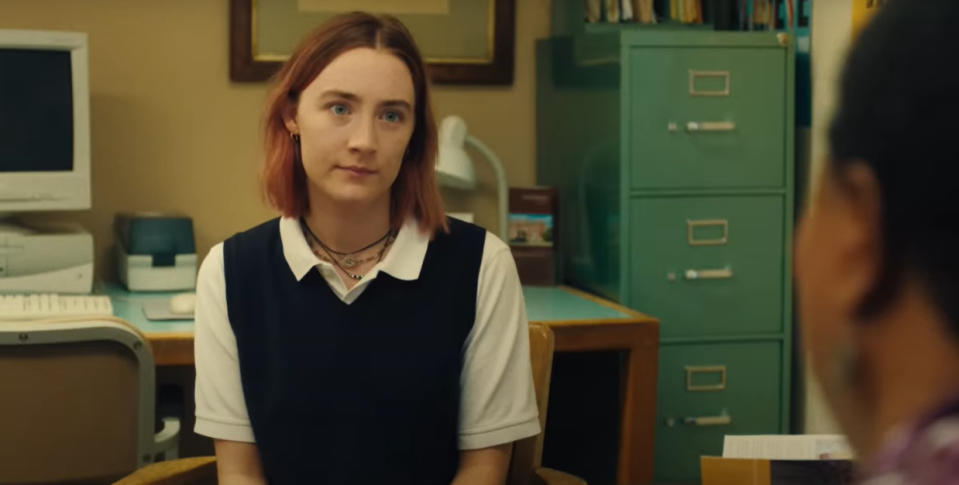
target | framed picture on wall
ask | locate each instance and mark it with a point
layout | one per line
(463, 41)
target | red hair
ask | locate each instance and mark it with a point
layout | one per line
(415, 192)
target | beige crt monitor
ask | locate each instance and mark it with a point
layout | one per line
(44, 160)
(44, 121)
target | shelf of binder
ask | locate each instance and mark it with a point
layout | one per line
(571, 17)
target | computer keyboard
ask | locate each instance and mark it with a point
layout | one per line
(52, 305)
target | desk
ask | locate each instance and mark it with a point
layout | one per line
(171, 340)
(581, 322)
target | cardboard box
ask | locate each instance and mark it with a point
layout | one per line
(757, 471)
(780, 460)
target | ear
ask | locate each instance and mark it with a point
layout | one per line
(859, 233)
(289, 119)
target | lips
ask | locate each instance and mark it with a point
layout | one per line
(357, 170)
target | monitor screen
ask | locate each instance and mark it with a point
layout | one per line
(44, 121)
(36, 111)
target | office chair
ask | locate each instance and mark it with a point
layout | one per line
(524, 466)
(77, 402)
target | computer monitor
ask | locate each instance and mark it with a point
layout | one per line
(44, 121)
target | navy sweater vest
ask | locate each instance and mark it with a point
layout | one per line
(367, 393)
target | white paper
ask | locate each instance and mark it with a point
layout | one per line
(787, 447)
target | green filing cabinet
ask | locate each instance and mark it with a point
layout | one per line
(672, 154)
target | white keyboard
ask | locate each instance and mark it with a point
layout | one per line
(51, 305)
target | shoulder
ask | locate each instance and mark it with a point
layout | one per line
(463, 241)
(255, 240)
(264, 230)
(461, 230)
(211, 269)
(495, 252)
(494, 247)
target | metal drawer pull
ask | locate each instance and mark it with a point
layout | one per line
(722, 420)
(694, 75)
(710, 126)
(691, 226)
(692, 370)
(709, 274)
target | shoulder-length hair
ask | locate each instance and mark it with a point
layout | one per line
(415, 192)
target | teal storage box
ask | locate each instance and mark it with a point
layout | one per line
(155, 251)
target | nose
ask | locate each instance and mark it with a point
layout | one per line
(363, 139)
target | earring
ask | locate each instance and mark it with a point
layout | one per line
(297, 156)
(846, 366)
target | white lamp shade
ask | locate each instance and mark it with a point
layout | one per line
(454, 168)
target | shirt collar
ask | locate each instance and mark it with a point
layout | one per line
(404, 261)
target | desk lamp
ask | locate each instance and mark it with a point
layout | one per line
(454, 168)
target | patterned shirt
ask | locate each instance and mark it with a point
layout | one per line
(926, 453)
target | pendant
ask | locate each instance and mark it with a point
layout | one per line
(349, 262)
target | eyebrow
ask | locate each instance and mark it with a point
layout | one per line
(353, 97)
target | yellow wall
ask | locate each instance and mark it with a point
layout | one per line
(831, 34)
(170, 132)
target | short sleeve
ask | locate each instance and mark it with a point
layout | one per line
(220, 406)
(498, 399)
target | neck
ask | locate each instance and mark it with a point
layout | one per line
(912, 367)
(348, 227)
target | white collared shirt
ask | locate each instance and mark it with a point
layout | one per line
(498, 404)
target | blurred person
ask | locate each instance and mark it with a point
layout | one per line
(877, 253)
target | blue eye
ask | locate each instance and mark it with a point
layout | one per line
(392, 117)
(339, 109)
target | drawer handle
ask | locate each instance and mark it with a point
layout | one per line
(709, 274)
(691, 226)
(692, 370)
(710, 126)
(696, 74)
(721, 420)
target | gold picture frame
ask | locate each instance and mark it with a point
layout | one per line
(263, 31)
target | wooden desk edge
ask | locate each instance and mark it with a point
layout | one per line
(173, 348)
(638, 316)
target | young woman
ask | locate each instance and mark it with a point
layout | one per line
(877, 262)
(362, 337)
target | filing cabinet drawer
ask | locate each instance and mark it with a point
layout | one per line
(704, 117)
(708, 266)
(707, 391)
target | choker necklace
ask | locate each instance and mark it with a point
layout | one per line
(349, 261)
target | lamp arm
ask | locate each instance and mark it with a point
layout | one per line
(501, 186)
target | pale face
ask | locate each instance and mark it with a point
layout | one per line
(355, 120)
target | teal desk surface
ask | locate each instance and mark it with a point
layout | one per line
(543, 304)
(128, 305)
(556, 303)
